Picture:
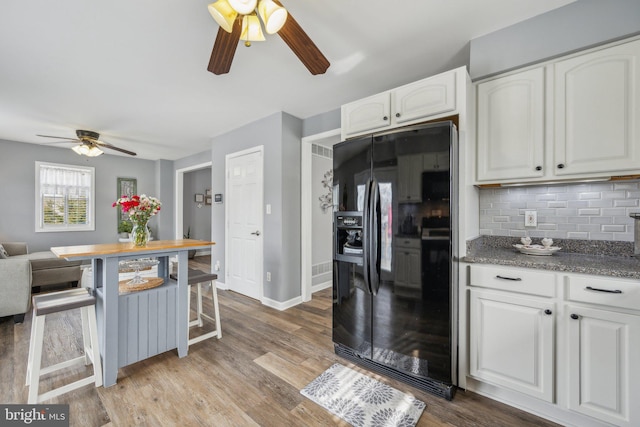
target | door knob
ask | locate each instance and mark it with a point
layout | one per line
(256, 233)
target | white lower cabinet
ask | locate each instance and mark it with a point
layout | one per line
(512, 342)
(603, 356)
(571, 340)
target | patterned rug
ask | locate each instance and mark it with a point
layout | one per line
(361, 400)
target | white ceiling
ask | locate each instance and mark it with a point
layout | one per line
(136, 70)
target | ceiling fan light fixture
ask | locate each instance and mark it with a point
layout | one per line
(88, 150)
(243, 7)
(251, 29)
(94, 151)
(224, 14)
(273, 15)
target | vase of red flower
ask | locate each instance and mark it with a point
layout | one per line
(140, 209)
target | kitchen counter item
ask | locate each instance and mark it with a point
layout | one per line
(499, 251)
(536, 249)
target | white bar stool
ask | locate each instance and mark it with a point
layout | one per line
(53, 303)
(199, 278)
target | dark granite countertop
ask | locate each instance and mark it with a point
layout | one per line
(605, 258)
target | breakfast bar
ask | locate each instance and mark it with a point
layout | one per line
(134, 326)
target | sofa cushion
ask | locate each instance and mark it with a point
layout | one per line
(3, 253)
(46, 260)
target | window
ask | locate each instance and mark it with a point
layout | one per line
(64, 197)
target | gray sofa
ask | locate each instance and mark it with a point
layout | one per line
(22, 273)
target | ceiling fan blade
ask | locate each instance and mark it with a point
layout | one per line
(113, 147)
(304, 48)
(224, 49)
(59, 137)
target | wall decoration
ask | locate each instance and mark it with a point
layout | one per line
(207, 200)
(199, 198)
(126, 187)
(207, 192)
(326, 200)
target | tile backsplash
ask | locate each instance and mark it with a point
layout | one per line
(593, 211)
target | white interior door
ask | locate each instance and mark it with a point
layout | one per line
(244, 188)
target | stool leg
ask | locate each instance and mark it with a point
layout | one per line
(36, 360)
(86, 336)
(200, 305)
(32, 344)
(214, 293)
(95, 347)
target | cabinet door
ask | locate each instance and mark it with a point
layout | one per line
(408, 267)
(597, 105)
(428, 97)
(410, 178)
(366, 114)
(512, 342)
(604, 372)
(511, 127)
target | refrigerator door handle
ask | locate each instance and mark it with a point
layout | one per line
(374, 240)
(366, 214)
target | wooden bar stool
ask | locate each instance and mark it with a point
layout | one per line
(199, 278)
(53, 303)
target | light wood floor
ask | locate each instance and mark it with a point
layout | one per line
(251, 377)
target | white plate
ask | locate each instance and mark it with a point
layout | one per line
(536, 249)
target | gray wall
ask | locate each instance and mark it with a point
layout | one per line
(165, 225)
(322, 122)
(17, 201)
(194, 217)
(280, 135)
(576, 26)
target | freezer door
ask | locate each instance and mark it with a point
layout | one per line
(351, 294)
(411, 311)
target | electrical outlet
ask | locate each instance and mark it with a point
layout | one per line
(530, 219)
(268, 276)
(217, 266)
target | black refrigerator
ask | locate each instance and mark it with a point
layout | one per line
(395, 216)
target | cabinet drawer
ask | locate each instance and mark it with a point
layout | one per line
(407, 243)
(514, 280)
(597, 290)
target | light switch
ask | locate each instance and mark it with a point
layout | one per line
(268, 209)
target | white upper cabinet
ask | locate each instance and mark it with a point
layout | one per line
(596, 104)
(366, 115)
(575, 118)
(511, 127)
(405, 105)
(424, 98)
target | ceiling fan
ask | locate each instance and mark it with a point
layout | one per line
(89, 144)
(238, 20)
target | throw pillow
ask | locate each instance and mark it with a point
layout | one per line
(3, 253)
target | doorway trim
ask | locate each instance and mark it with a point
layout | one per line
(260, 267)
(306, 205)
(179, 197)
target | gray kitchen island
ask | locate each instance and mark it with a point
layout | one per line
(133, 326)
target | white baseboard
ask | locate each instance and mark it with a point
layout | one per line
(321, 286)
(282, 305)
(221, 285)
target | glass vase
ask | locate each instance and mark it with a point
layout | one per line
(140, 234)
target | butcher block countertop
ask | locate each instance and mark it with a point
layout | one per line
(106, 249)
(601, 258)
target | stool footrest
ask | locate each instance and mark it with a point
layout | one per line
(65, 388)
(203, 337)
(62, 365)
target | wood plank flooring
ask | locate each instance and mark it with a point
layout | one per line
(250, 377)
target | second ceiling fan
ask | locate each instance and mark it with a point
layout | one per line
(239, 20)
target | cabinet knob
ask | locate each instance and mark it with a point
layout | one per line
(538, 168)
(385, 118)
(547, 311)
(561, 166)
(575, 316)
(397, 114)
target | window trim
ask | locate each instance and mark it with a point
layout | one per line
(39, 226)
